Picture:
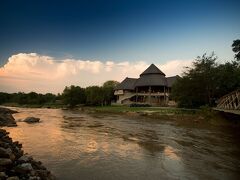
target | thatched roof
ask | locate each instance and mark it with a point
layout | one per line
(152, 76)
(152, 69)
(151, 80)
(127, 84)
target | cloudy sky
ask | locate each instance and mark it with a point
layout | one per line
(45, 46)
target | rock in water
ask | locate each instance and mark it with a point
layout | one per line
(31, 120)
(5, 161)
(3, 175)
(6, 118)
(25, 159)
(23, 168)
(7, 153)
(13, 178)
(15, 165)
(7, 111)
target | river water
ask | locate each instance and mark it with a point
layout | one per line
(76, 145)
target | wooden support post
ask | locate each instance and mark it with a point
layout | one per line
(164, 95)
(149, 95)
(136, 94)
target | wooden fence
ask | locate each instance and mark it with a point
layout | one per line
(230, 101)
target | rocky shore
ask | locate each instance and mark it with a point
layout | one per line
(6, 118)
(14, 164)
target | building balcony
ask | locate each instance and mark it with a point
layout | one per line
(153, 94)
(118, 92)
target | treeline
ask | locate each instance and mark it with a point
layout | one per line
(31, 98)
(206, 81)
(92, 95)
(71, 96)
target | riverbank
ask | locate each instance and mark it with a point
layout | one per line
(50, 106)
(197, 116)
(14, 164)
(180, 115)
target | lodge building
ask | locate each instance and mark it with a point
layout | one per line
(152, 87)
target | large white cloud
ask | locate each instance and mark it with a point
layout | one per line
(34, 72)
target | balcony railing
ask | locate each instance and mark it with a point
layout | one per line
(153, 94)
(118, 92)
(141, 93)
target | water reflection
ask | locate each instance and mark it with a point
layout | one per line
(92, 146)
(170, 152)
(74, 144)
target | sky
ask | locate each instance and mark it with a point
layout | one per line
(47, 45)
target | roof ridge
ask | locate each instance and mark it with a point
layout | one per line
(130, 78)
(152, 69)
(173, 76)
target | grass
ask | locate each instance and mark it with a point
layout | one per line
(162, 110)
(181, 115)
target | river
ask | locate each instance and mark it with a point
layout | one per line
(76, 145)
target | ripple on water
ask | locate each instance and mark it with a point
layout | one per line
(74, 144)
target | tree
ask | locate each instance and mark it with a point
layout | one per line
(236, 49)
(110, 83)
(4, 97)
(20, 98)
(94, 95)
(108, 91)
(73, 95)
(32, 98)
(227, 78)
(198, 84)
(49, 98)
(205, 82)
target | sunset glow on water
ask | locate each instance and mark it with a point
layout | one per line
(73, 144)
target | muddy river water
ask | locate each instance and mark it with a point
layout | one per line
(76, 145)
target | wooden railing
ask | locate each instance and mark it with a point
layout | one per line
(126, 96)
(152, 94)
(230, 101)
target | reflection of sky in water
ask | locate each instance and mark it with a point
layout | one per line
(73, 145)
(169, 152)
